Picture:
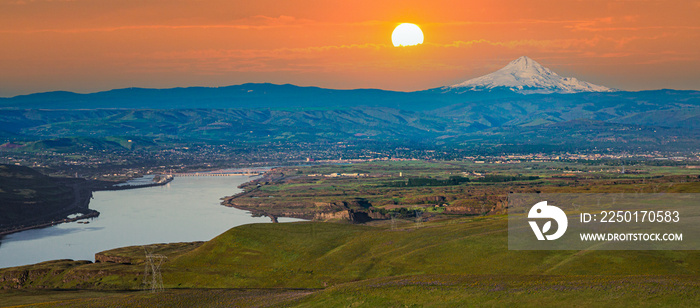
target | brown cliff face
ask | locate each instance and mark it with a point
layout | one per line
(340, 215)
(354, 216)
(14, 279)
(40, 276)
(119, 268)
(356, 210)
(100, 257)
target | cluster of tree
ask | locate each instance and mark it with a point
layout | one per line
(495, 178)
(635, 162)
(457, 180)
(401, 212)
(417, 182)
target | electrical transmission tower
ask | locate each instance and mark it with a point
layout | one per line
(152, 278)
(419, 219)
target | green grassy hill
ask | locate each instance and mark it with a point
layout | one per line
(314, 255)
(82, 144)
(453, 262)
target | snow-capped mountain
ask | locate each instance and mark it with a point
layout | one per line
(526, 76)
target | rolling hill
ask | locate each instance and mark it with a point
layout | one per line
(523, 96)
(465, 260)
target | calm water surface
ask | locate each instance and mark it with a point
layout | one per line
(185, 210)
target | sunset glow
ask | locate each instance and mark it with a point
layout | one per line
(88, 46)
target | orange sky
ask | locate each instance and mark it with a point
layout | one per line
(93, 45)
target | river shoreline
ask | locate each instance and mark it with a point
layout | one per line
(186, 210)
(82, 195)
(90, 214)
(267, 177)
(168, 179)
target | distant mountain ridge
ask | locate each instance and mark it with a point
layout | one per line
(661, 118)
(526, 76)
(245, 96)
(486, 109)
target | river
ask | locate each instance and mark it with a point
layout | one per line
(185, 210)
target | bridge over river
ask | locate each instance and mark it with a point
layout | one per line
(237, 172)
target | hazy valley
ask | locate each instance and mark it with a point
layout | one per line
(406, 193)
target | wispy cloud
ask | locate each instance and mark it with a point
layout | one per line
(253, 23)
(562, 43)
(330, 57)
(257, 22)
(304, 59)
(25, 2)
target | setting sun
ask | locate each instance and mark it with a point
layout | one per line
(407, 35)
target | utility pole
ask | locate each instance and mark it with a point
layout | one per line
(419, 218)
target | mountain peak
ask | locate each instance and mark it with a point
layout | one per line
(525, 76)
(523, 61)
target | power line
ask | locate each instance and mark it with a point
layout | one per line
(152, 278)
